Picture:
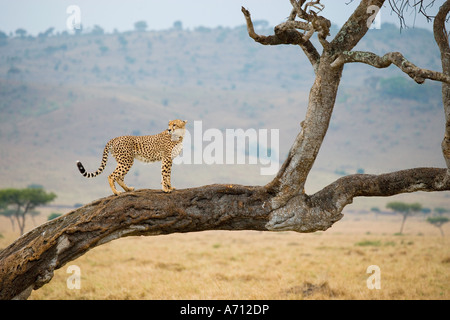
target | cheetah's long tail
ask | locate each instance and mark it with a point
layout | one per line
(102, 165)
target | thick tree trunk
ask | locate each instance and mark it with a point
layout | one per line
(30, 261)
(292, 176)
(441, 37)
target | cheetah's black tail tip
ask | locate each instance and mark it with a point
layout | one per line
(81, 168)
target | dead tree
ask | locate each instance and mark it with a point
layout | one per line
(282, 204)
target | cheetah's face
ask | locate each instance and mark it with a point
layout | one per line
(177, 129)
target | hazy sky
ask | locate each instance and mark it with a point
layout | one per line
(38, 15)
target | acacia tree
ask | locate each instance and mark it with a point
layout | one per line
(441, 211)
(282, 204)
(405, 210)
(438, 221)
(22, 202)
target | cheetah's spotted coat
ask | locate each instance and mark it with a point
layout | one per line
(164, 147)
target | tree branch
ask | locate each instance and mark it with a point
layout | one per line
(401, 8)
(265, 40)
(417, 74)
(31, 260)
(325, 207)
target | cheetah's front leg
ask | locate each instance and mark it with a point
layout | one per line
(166, 168)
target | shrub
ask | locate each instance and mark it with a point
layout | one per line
(366, 243)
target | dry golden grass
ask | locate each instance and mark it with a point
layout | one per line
(266, 265)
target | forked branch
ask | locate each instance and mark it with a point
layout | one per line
(285, 33)
(325, 207)
(419, 75)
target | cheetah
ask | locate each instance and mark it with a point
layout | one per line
(164, 147)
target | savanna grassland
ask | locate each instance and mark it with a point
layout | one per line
(265, 265)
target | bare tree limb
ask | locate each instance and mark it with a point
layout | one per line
(400, 8)
(441, 37)
(30, 262)
(315, 23)
(285, 33)
(325, 207)
(417, 74)
(265, 40)
(302, 13)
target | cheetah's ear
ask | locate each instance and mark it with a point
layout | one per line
(185, 121)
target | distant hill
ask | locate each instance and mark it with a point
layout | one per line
(62, 97)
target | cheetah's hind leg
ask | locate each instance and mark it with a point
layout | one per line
(111, 183)
(121, 183)
(124, 186)
(118, 176)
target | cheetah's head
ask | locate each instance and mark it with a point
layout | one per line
(177, 129)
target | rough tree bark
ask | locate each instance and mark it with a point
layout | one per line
(441, 37)
(282, 204)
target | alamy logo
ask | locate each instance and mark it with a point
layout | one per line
(234, 146)
(374, 281)
(374, 21)
(74, 281)
(74, 20)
